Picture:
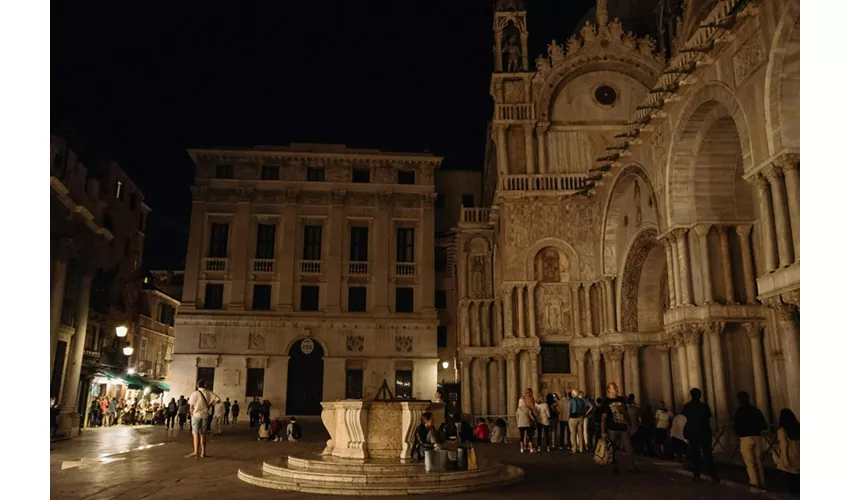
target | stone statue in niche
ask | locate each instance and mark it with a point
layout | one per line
(512, 50)
(551, 267)
(638, 214)
(477, 282)
(553, 317)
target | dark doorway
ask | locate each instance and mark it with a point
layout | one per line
(58, 365)
(304, 383)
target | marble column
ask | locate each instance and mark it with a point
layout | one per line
(498, 322)
(57, 299)
(580, 352)
(692, 336)
(754, 332)
(576, 315)
(682, 355)
(534, 355)
(466, 385)
(529, 148)
(520, 310)
(541, 148)
(603, 306)
(681, 236)
(595, 359)
(476, 324)
(588, 315)
(706, 364)
(747, 254)
(632, 351)
(485, 385)
(674, 278)
(616, 352)
(784, 240)
(509, 311)
(69, 418)
(512, 389)
(766, 224)
(532, 311)
(501, 400)
(463, 322)
(612, 304)
(791, 171)
(721, 403)
(497, 63)
(790, 342)
(726, 261)
(502, 148)
(702, 231)
(666, 375)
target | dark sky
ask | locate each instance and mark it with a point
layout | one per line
(141, 82)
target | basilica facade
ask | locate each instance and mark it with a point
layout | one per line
(641, 222)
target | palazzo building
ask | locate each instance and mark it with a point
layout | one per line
(641, 222)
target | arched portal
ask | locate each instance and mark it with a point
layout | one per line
(305, 377)
(644, 294)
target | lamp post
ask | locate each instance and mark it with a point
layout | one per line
(121, 331)
(128, 350)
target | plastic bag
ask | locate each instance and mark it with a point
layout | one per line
(604, 452)
(472, 462)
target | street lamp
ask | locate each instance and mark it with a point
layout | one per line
(121, 331)
(445, 364)
(128, 351)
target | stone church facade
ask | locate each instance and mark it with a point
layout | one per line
(641, 222)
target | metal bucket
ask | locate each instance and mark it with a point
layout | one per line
(462, 463)
(435, 461)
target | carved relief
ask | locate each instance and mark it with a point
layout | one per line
(749, 58)
(403, 343)
(354, 343)
(257, 341)
(631, 278)
(208, 341)
(477, 290)
(638, 205)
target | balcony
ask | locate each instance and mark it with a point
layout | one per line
(154, 325)
(263, 265)
(358, 268)
(475, 215)
(311, 267)
(561, 183)
(514, 112)
(405, 269)
(91, 356)
(215, 264)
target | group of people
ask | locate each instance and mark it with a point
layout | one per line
(559, 421)
(106, 412)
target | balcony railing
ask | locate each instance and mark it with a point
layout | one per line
(405, 269)
(476, 215)
(263, 265)
(544, 182)
(153, 325)
(514, 112)
(358, 268)
(215, 264)
(311, 267)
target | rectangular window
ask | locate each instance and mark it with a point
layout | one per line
(359, 244)
(254, 382)
(403, 299)
(360, 175)
(309, 298)
(315, 174)
(265, 241)
(262, 298)
(440, 299)
(207, 374)
(357, 299)
(441, 259)
(218, 240)
(270, 173)
(143, 349)
(467, 200)
(214, 296)
(556, 358)
(404, 384)
(353, 384)
(406, 177)
(312, 242)
(224, 171)
(404, 244)
(442, 336)
(134, 200)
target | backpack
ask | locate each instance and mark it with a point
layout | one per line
(581, 406)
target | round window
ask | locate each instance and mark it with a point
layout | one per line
(605, 95)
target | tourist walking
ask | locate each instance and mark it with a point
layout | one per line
(111, 410)
(749, 424)
(578, 408)
(698, 434)
(543, 422)
(554, 418)
(234, 410)
(265, 411)
(564, 422)
(787, 455)
(200, 403)
(226, 411)
(170, 414)
(662, 426)
(218, 418)
(254, 413)
(182, 411)
(615, 427)
(525, 420)
(104, 411)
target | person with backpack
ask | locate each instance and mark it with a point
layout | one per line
(698, 434)
(293, 430)
(615, 427)
(749, 424)
(182, 411)
(787, 454)
(171, 414)
(200, 403)
(578, 408)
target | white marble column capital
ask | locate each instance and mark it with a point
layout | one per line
(691, 335)
(595, 354)
(702, 230)
(715, 327)
(613, 352)
(754, 329)
(579, 353)
(743, 230)
(784, 312)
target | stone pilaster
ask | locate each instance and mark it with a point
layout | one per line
(702, 231)
(528, 128)
(681, 236)
(485, 385)
(534, 355)
(692, 336)
(726, 261)
(588, 310)
(747, 253)
(612, 304)
(69, 418)
(632, 351)
(502, 148)
(520, 309)
(542, 127)
(500, 373)
(784, 240)
(595, 359)
(580, 353)
(466, 385)
(754, 332)
(766, 224)
(508, 310)
(511, 382)
(532, 311)
(790, 342)
(791, 171)
(476, 324)
(674, 277)
(576, 315)
(715, 332)
(666, 376)
(682, 356)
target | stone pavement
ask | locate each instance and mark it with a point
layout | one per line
(148, 462)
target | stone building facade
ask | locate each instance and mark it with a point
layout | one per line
(309, 276)
(641, 222)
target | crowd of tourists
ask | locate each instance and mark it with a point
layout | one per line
(106, 412)
(615, 428)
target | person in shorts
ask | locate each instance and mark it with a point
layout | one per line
(200, 403)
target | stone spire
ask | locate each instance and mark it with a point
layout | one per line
(602, 13)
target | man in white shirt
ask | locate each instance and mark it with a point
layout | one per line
(199, 409)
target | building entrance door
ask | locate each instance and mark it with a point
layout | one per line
(304, 383)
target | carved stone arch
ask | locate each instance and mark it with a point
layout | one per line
(781, 107)
(684, 146)
(312, 337)
(542, 243)
(639, 292)
(611, 218)
(473, 240)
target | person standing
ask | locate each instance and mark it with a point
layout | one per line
(254, 413)
(615, 426)
(200, 403)
(524, 420)
(634, 422)
(218, 418)
(554, 418)
(749, 424)
(293, 430)
(226, 411)
(111, 410)
(698, 434)
(678, 442)
(578, 407)
(182, 411)
(563, 424)
(170, 414)
(587, 420)
(787, 458)
(235, 411)
(266, 411)
(543, 422)
(662, 424)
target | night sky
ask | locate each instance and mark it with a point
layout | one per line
(140, 82)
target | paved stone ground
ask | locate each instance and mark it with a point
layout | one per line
(148, 462)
